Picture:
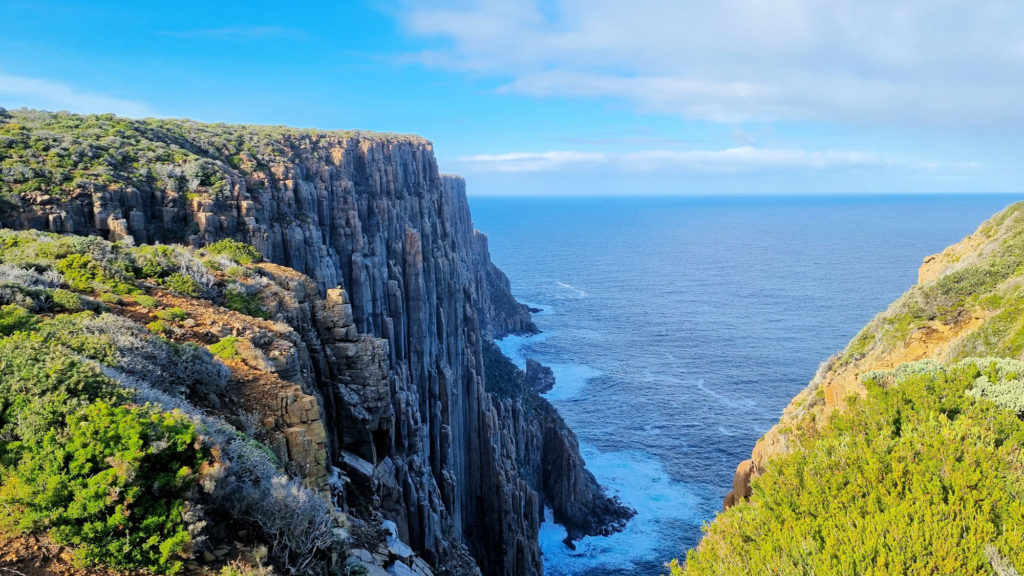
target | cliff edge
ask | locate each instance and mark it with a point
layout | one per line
(394, 300)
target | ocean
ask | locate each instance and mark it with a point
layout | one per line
(679, 328)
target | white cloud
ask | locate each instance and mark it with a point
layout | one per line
(744, 159)
(951, 63)
(532, 161)
(17, 91)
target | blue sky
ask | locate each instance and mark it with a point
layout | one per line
(572, 96)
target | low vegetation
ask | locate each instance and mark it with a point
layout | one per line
(172, 314)
(924, 473)
(238, 298)
(238, 252)
(76, 462)
(226, 348)
(933, 451)
(103, 444)
(72, 273)
(55, 154)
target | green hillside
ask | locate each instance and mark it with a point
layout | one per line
(918, 469)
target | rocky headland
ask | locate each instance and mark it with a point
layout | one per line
(374, 366)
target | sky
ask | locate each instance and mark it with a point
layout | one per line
(572, 97)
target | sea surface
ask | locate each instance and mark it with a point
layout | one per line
(678, 330)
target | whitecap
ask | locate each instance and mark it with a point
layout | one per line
(576, 292)
(733, 403)
(514, 346)
(570, 379)
(643, 482)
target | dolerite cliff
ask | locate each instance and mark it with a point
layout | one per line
(434, 433)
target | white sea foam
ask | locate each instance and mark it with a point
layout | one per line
(570, 380)
(733, 403)
(641, 482)
(514, 347)
(569, 291)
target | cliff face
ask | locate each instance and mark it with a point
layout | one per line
(402, 301)
(966, 303)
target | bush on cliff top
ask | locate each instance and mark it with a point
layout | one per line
(113, 484)
(238, 298)
(240, 252)
(225, 348)
(109, 479)
(42, 384)
(14, 318)
(923, 476)
(84, 274)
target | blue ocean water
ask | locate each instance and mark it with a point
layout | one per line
(678, 330)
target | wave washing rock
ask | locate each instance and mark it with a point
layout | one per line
(540, 378)
(397, 323)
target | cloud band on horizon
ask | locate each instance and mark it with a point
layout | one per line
(739, 159)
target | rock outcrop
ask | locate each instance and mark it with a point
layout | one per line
(393, 306)
(540, 378)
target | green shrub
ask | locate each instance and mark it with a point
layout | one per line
(110, 298)
(1001, 381)
(66, 300)
(160, 327)
(182, 284)
(68, 330)
(172, 314)
(147, 301)
(154, 261)
(1001, 335)
(42, 383)
(973, 280)
(226, 347)
(14, 318)
(917, 478)
(80, 271)
(84, 274)
(113, 485)
(241, 301)
(240, 252)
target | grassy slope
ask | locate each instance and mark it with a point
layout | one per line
(912, 471)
